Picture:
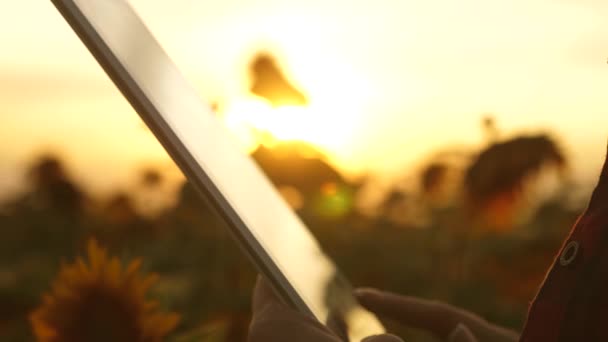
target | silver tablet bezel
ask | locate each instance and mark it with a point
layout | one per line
(179, 153)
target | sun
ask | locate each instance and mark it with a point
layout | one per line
(321, 104)
(253, 121)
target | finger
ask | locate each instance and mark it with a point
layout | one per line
(337, 325)
(263, 295)
(382, 338)
(461, 334)
(415, 312)
(274, 321)
(267, 305)
(287, 328)
(433, 316)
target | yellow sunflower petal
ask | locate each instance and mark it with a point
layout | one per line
(148, 282)
(133, 268)
(160, 324)
(113, 272)
(97, 256)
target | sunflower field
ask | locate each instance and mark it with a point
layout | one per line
(472, 232)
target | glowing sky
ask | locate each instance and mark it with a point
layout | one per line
(389, 81)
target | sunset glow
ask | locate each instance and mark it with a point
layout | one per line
(254, 121)
(388, 83)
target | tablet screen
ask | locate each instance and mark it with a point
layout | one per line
(266, 228)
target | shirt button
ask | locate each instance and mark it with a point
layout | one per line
(569, 253)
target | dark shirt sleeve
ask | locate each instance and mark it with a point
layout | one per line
(572, 303)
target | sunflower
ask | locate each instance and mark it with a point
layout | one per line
(100, 301)
(499, 177)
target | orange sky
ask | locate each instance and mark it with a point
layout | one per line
(391, 80)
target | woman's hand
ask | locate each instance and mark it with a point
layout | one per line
(447, 322)
(273, 321)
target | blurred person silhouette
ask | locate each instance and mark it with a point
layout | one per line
(569, 306)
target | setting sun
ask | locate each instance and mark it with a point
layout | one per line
(278, 107)
(254, 121)
(387, 84)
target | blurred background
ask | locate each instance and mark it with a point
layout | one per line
(440, 149)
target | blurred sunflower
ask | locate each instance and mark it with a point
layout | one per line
(500, 175)
(100, 301)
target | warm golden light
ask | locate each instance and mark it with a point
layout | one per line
(254, 121)
(387, 84)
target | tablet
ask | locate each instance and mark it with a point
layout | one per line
(265, 227)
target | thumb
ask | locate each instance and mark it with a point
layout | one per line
(462, 334)
(386, 338)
